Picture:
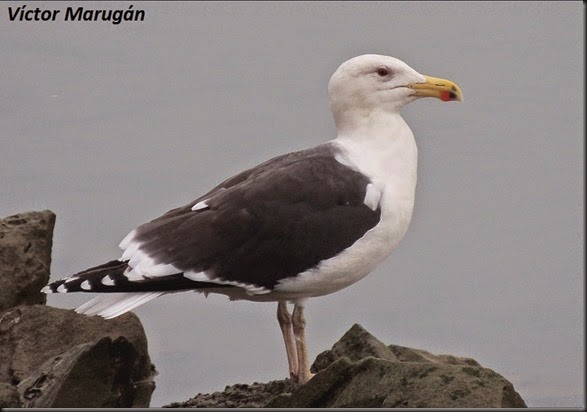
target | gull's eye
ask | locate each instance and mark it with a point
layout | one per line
(383, 71)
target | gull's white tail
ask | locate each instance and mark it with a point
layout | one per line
(115, 304)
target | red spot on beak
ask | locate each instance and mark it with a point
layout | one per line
(445, 96)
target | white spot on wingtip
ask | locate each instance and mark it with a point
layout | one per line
(200, 205)
(107, 281)
(62, 289)
(47, 289)
(85, 285)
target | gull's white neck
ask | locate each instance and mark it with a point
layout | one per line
(382, 146)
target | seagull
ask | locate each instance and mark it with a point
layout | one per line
(300, 225)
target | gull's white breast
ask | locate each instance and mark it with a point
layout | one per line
(389, 160)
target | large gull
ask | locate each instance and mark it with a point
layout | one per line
(300, 225)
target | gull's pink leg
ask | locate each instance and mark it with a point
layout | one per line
(285, 323)
(299, 325)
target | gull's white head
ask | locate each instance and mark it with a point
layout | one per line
(375, 84)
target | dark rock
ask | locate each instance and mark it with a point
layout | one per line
(418, 355)
(33, 335)
(95, 374)
(355, 344)
(25, 257)
(361, 372)
(9, 397)
(240, 395)
(410, 378)
(379, 383)
(322, 389)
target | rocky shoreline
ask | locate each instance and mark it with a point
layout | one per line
(57, 358)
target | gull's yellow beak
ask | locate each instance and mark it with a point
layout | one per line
(442, 89)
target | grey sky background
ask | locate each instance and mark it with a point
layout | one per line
(111, 125)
